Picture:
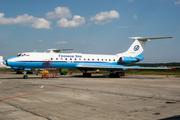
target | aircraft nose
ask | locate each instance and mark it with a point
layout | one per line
(5, 62)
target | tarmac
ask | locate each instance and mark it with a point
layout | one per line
(73, 97)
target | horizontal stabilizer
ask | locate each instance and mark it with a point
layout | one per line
(148, 39)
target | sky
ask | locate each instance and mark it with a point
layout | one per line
(90, 26)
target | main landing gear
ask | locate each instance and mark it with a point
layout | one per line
(112, 74)
(116, 74)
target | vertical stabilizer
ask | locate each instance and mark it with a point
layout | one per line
(137, 48)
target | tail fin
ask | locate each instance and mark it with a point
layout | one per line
(137, 48)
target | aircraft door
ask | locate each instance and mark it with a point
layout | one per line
(51, 61)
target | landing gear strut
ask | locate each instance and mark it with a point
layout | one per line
(25, 76)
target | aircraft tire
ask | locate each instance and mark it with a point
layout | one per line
(114, 75)
(25, 77)
(61, 73)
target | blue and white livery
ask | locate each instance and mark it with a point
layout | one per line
(83, 62)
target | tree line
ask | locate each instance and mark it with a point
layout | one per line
(171, 64)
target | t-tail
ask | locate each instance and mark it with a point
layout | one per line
(135, 52)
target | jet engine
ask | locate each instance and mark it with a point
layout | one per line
(128, 59)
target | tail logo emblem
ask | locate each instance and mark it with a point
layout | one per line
(136, 47)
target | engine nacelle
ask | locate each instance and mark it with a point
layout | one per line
(129, 59)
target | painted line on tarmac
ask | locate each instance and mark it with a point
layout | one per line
(35, 93)
(27, 94)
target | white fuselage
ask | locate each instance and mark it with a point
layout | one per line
(60, 60)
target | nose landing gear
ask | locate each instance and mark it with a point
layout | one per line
(25, 75)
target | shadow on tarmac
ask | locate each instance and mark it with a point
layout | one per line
(172, 118)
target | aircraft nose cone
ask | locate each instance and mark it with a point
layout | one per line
(5, 62)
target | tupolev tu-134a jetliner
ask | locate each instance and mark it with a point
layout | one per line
(83, 62)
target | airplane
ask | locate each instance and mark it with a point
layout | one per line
(1, 63)
(83, 62)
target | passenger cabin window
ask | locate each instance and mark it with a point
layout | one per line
(97, 59)
(92, 59)
(88, 59)
(113, 59)
(109, 59)
(51, 58)
(61, 58)
(65, 58)
(56, 58)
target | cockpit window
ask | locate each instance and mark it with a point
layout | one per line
(20, 55)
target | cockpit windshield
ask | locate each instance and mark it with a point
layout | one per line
(20, 55)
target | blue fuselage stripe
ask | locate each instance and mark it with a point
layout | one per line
(55, 64)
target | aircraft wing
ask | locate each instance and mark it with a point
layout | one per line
(58, 50)
(118, 67)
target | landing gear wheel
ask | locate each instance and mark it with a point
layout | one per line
(114, 75)
(25, 77)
